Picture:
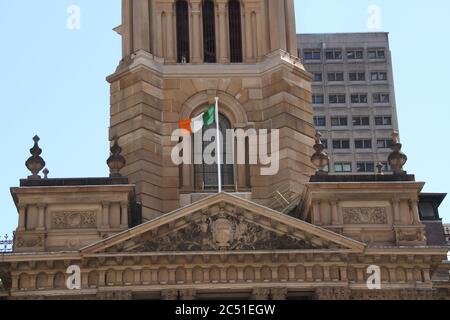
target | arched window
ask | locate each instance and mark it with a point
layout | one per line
(234, 14)
(182, 11)
(206, 175)
(209, 32)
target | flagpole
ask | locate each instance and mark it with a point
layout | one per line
(218, 149)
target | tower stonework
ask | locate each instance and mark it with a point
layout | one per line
(164, 77)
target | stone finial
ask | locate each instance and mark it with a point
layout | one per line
(46, 172)
(35, 163)
(116, 161)
(397, 159)
(320, 158)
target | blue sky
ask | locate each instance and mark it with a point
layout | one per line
(53, 83)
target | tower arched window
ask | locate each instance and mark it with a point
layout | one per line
(234, 17)
(209, 32)
(182, 13)
(206, 177)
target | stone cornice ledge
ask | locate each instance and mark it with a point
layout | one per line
(146, 60)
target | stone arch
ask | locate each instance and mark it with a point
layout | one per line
(283, 273)
(300, 273)
(249, 274)
(59, 281)
(128, 277)
(163, 276)
(351, 274)
(93, 279)
(385, 275)
(234, 112)
(335, 273)
(214, 275)
(266, 274)
(146, 276)
(417, 274)
(110, 277)
(232, 274)
(41, 281)
(230, 107)
(317, 272)
(400, 274)
(24, 282)
(197, 275)
(180, 275)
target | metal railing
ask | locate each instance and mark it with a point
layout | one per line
(6, 244)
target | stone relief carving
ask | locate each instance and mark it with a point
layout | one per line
(29, 242)
(223, 232)
(74, 220)
(365, 215)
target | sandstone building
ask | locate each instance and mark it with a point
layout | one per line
(154, 230)
(353, 97)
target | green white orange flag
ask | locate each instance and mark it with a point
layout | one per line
(196, 124)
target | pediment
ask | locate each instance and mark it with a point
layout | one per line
(225, 223)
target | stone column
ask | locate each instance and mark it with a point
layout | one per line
(248, 35)
(170, 36)
(22, 213)
(141, 25)
(124, 215)
(396, 209)
(105, 215)
(334, 212)
(309, 275)
(326, 273)
(196, 31)
(223, 31)
(343, 271)
(41, 217)
(316, 213)
(414, 209)
(290, 27)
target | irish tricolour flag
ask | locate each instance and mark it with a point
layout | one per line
(196, 124)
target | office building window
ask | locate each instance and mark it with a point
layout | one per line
(335, 76)
(365, 167)
(361, 121)
(340, 144)
(355, 54)
(318, 99)
(381, 98)
(377, 54)
(312, 55)
(336, 98)
(333, 54)
(384, 143)
(318, 77)
(359, 98)
(339, 121)
(363, 144)
(320, 121)
(378, 76)
(357, 76)
(383, 121)
(341, 167)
